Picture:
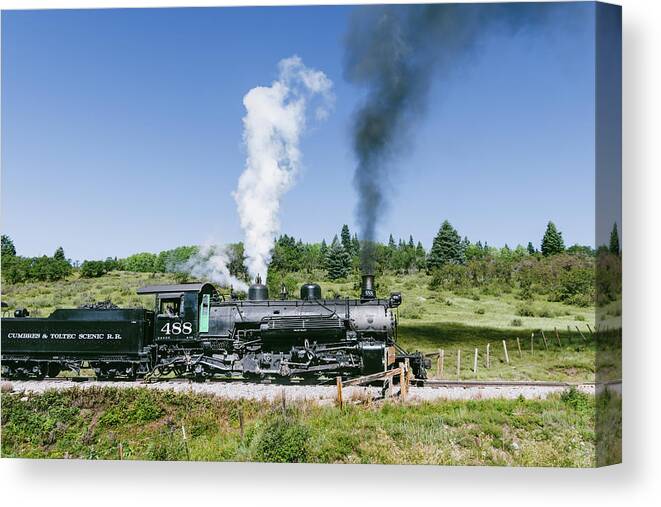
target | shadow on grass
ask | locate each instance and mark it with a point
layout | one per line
(428, 336)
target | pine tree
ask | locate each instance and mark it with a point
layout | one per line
(355, 245)
(59, 254)
(531, 248)
(323, 253)
(411, 243)
(552, 242)
(420, 250)
(446, 248)
(614, 245)
(465, 245)
(391, 243)
(8, 248)
(346, 239)
(338, 261)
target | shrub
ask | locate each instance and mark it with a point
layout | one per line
(480, 311)
(450, 277)
(411, 311)
(525, 311)
(575, 399)
(92, 269)
(283, 441)
(516, 323)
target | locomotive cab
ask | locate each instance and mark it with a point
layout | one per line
(181, 311)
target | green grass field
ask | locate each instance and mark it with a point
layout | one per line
(147, 424)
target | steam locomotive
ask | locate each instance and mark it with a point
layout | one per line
(196, 332)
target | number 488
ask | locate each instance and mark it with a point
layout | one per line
(177, 328)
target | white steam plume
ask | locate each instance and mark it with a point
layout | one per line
(274, 121)
(211, 263)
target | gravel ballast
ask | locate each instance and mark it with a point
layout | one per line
(272, 392)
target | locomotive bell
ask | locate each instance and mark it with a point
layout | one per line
(258, 291)
(310, 291)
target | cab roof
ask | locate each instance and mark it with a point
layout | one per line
(178, 288)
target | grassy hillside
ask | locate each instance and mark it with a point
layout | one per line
(147, 424)
(41, 298)
(421, 304)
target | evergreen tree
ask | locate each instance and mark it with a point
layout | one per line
(59, 254)
(8, 247)
(614, 245)
(420, 250)
(552, 242)
(465, 245)
(446, 248)
(355, 245)
(411, 243)
(323, 254)
(391, 243)
(338, 261)
(531, 248)
(345, 235)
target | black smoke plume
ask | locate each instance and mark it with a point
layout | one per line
(393, 52)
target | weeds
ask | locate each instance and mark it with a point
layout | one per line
(558, 431)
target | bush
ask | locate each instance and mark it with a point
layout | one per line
(575, 399)
(480, 311)
(575, 286)
(92, 269)
(411, 311)
(525, 311)
(516, 323)
(284, 441)
(450, 277)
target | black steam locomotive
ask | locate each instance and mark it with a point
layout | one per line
(196, 332)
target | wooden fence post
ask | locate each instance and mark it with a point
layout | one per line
(241, 422)
(458, 364)
(183, 433)
(518, 346)
(557, 336)
(488, 355)
(475, 362)
(532, 343)
(338, 381)
(589, 329)
(507, 357)
(546, 345)
(439, 363)
(403, 380)
(120, 450)
(581, 333)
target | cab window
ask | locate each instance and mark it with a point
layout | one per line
(170, 307)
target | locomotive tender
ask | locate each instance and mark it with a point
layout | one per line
(194, 331)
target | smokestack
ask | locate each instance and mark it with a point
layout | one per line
(368, 291)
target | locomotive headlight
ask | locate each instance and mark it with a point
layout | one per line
(395, 299)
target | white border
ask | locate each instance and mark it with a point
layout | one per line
(636, 482)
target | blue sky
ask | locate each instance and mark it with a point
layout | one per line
(121, 131)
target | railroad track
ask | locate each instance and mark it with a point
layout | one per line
(507, 383)
(430, 383)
